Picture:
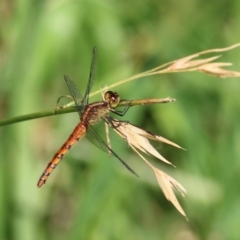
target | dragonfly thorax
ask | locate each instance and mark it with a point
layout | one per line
(94, 112)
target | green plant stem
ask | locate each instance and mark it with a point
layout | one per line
(67, 109)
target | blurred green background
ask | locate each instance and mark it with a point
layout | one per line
(91, 196)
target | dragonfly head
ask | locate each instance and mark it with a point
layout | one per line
(112, 98)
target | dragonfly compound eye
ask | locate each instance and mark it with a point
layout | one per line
(112, 98)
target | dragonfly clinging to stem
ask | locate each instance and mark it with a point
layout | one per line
(90, 114)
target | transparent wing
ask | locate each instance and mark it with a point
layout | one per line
(91, 76)
(77, 97)
(97, 140)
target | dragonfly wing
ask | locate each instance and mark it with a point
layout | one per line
(91, 76)
(97, 140)
(77, 97)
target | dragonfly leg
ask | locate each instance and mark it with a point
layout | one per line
(61, 107)
(121, 112)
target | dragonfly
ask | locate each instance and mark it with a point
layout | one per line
(90, 114)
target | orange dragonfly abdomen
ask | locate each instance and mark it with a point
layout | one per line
(77, 133)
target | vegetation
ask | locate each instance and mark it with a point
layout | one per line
(90, 195)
